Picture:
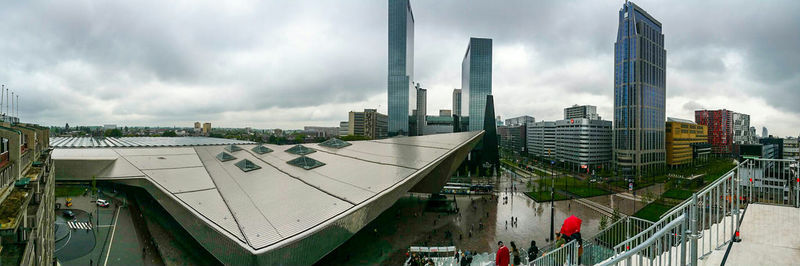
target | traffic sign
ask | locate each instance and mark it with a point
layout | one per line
(630, 186)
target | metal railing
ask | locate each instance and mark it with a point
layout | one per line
(563, 255)
(712, 214)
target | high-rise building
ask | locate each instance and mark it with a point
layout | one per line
(422, 110)
(513, 134)
(639, 92)
(681, 135)
(725, 128)
(753, 135)
(581, 111)
(368, 123)
(764, 132)
(457, 102)
(476, 80)
(401, 91)
(344, 128)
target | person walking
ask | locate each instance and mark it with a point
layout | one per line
(502, 257)
(533, 252)
(516, 260)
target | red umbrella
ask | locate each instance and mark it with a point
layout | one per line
(571, 225)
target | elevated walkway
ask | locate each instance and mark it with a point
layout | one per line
(770, 236)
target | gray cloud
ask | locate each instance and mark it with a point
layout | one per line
(291, 63)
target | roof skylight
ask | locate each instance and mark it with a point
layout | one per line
(304, 162)
(232, 148)
(261, 149)
(335, 143)
(300, 150)
(224, 157)
(247, 166)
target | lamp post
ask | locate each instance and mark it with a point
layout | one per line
(552, 200)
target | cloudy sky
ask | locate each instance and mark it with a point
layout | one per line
(286, 64)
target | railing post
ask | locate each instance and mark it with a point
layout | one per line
(738, 199)
(694, 230)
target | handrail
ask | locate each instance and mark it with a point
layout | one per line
(702, 192)
(675, 223)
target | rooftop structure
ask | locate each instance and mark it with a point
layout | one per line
(90, 142)
(249, 207)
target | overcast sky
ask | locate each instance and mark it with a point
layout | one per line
(286, 64)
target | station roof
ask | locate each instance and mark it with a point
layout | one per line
(259, 198)
(91, 142)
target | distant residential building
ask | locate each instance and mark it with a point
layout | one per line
(682, 139)
(520, 120)
(324, 132)
(401, 91)
(206, 128)
(368, 123)
(639, 92)
(581, 111)
(109, 127)
(344, 128)
(741, 129)
(753, 135)
(445, 112)
(725, 128)
(422, 110)
(542, 139)
(791, 149)
(457, 102)
(197, 127)
(764, 132)
(476, 80)
(584, 144)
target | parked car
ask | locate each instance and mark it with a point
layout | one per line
(102, 203)
(69, 214)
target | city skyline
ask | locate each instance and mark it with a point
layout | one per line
(88, 67)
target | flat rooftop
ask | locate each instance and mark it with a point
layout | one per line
(91, 142)
(770, 236)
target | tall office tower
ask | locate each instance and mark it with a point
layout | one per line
(402, 94)
(639, 90)
(422, 109)
(581, 111)
(764, 132)
(476, 80)
(457, 102)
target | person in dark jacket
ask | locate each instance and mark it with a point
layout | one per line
(533, 252)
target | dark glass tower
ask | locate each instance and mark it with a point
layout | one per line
(639, 92)
(476, 80)
(402, 94)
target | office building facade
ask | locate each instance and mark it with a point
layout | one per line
(791, 149)
(401, 91)
(682, 139)
(513, 138)
(476, 80)
(584, 144)
(445, 113)
(764, 132)
(581, 111)
(542, 139)
(457, 102)
(639, 92)
(741, 129)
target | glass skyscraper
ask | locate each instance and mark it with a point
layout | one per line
(476, 80)
(639, 92)
(402, 94)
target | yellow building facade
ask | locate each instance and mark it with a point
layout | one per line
(680, 135)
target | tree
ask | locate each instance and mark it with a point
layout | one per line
(169, 133)
(115, 133)
(603, 223)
